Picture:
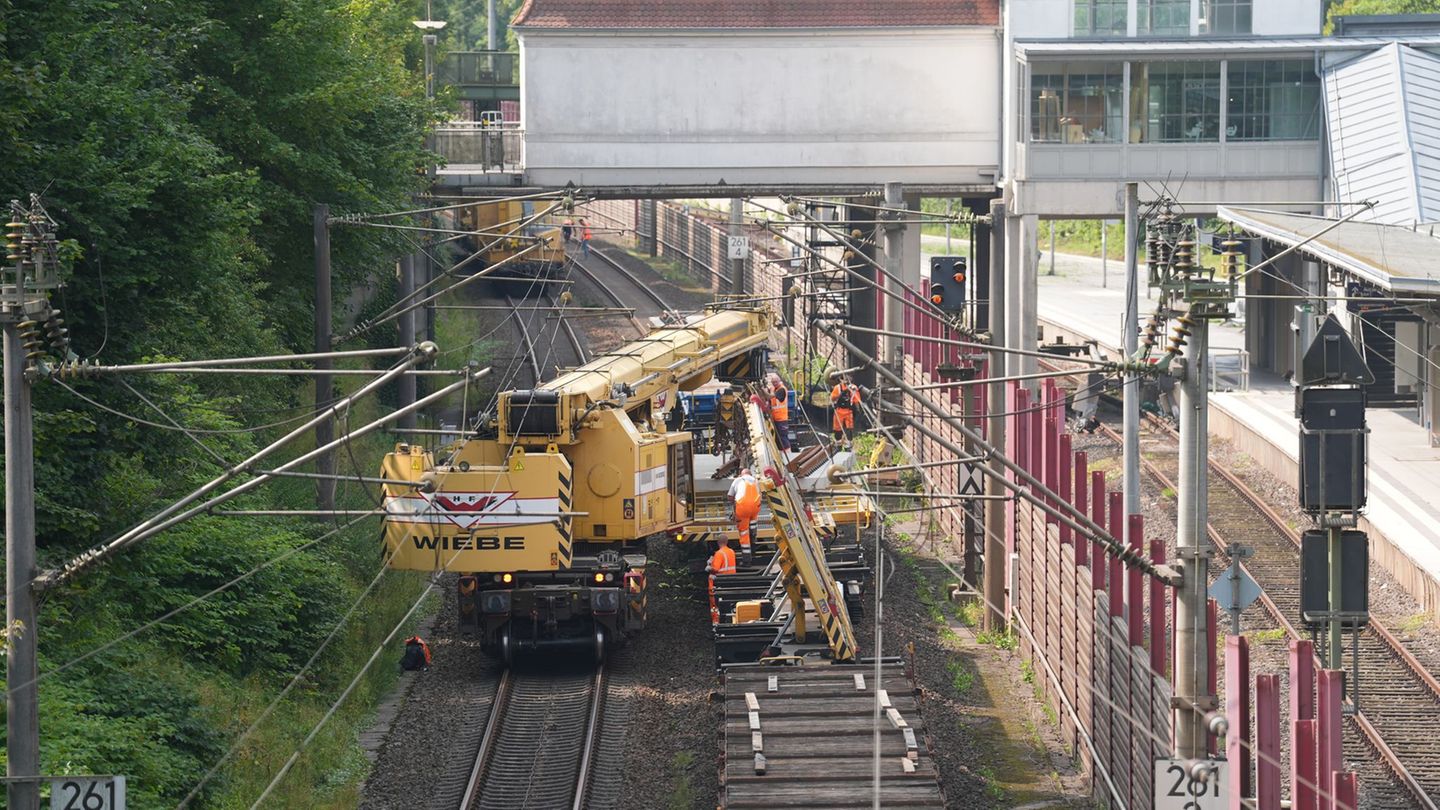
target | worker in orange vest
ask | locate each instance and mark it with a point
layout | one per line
(722, 563)
(585, 236)
(744, 506)
(844, 398)
(780, 411)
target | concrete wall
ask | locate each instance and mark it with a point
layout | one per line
(914, 106)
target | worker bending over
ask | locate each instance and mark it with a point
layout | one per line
(744, 507)
(844, 398)
(722, 563)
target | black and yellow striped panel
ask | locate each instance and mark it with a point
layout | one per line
(563, 524)
(737, 368)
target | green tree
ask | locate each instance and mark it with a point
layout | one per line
(181, 145)
(1340, 8)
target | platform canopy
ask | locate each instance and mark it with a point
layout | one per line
(1398, 259)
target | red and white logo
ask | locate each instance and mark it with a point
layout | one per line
(465, 509)
(470, 509)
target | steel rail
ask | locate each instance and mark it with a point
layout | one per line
(482, 773)
(1372, 734)
(581, 356)
(487, 741)
(633, 279)
(592, 732)
(606, 290)
(525, 337)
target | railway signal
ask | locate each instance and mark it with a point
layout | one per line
(948, 282)
(1331, 408)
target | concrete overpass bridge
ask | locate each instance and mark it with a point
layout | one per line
(693, 98)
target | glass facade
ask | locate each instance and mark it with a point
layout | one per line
(1077, 103)
(1225, 17)
(1174, 102)
(1100, 17)
(1164, 17)
(1272, 101)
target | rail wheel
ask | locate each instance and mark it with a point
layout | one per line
(506, 648)
(600, 641)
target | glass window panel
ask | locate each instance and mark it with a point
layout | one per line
(1226, 17)
(1272, 100)
(1177, 101)
(1165, 17)
(1076, 102)
(1100, 17)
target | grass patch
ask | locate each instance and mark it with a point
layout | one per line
(672, 270)
(962, 677)
(1027, 672)
(1261, 636)
(1167, 492)
(1004, 640)
(993, 789)
(683, 796)
(971, 613)
(1414, 622)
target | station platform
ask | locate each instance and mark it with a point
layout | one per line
(1403, 513)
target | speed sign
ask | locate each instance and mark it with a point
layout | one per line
(1175, 789)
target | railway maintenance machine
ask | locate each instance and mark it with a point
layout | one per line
(545, 511)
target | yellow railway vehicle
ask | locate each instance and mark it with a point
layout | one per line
(507, 230)
(546, 514)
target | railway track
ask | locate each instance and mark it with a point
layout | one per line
(1399, 699)
(539, 744)
(516, 313)
(578, 346)
(635, 281)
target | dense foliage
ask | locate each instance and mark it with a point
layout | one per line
(181, 145)
(1340, 8)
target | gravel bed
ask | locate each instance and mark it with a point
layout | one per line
(965, 725)
(420, 752)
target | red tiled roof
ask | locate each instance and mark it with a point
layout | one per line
(756, 13)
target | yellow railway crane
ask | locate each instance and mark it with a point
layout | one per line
(545, 513)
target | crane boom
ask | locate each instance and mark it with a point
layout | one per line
(545, 511)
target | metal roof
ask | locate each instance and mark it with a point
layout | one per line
(1384, 116)
(1190, 47)
(753, 14)
(1394, 258)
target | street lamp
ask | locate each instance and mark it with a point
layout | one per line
(429, 26)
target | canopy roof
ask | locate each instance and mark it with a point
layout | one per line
(1402, 260)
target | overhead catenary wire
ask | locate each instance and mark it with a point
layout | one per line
(390, 312)
(1095, 694)
(163, 519)
(170, 614)
(294, 681)
(1082, 523)
(1101, 698)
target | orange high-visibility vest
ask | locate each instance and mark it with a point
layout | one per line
(748, 497)
(780, 406)
(723, 562)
